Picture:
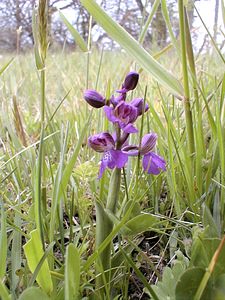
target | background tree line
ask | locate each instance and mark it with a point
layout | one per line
(16, 21)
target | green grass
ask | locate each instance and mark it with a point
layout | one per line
(184, 206)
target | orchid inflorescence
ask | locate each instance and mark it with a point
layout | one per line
(115, 148)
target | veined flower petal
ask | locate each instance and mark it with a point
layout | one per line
(148, 143)
(153, 163)
(112, 159)
(101, 142)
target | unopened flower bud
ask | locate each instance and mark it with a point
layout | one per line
(94, 98)
(130, 82)
(101, 142)
(138, 103)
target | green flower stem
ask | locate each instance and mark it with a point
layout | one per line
(187, 107)
(104, 227)
(114, 189)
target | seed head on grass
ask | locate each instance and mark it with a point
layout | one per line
(43, 27)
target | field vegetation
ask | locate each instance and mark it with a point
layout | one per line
(167, 238)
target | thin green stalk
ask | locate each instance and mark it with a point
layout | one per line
(104, 226)
(42, 97)
(187, 106)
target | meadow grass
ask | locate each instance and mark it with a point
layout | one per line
(183, 208)
(176, 197)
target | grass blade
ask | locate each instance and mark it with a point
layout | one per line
(72, 273)
(75, 34)
(3, 243)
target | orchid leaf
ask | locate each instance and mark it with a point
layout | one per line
(33, 293)
(140, 223)
(34, 252)
(72, 278)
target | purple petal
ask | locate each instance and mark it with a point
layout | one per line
(103, 166)
(112, 159)
(153, 163)
(119, 159)
(109, 111)
(129, 128)
(138, 103)
(130, 150)
(148, 142)
(101, 142)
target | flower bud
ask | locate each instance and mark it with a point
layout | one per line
(148, 143)
(94, 98)
(131, 81)
(138, 103)
(101, 142)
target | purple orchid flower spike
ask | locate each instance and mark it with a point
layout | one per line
(152, 163)
(104, 142)
(130, 82)
(124, 114)
(94, 99)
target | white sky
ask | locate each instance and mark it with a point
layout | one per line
(206, 9)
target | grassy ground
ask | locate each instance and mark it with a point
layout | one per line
(187, 201)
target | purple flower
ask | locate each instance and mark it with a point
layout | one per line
(101, 142)
(151, 162)
(130, 82)
(112, 159)
(138, 103)
(94, 98)
(104, 142)
(124, 114)
(115, 100)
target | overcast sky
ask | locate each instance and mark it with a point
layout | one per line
(206, 9)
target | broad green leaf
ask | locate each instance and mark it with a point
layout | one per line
(189, 283)
(34, 252)
(33, 293)
(140, 223)
(209, 221)
(219, 288)
(72, 273)
(75, 34)
(203, 251)
(133, 48)
(3, 243)
(2, 69)
(165, 289)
